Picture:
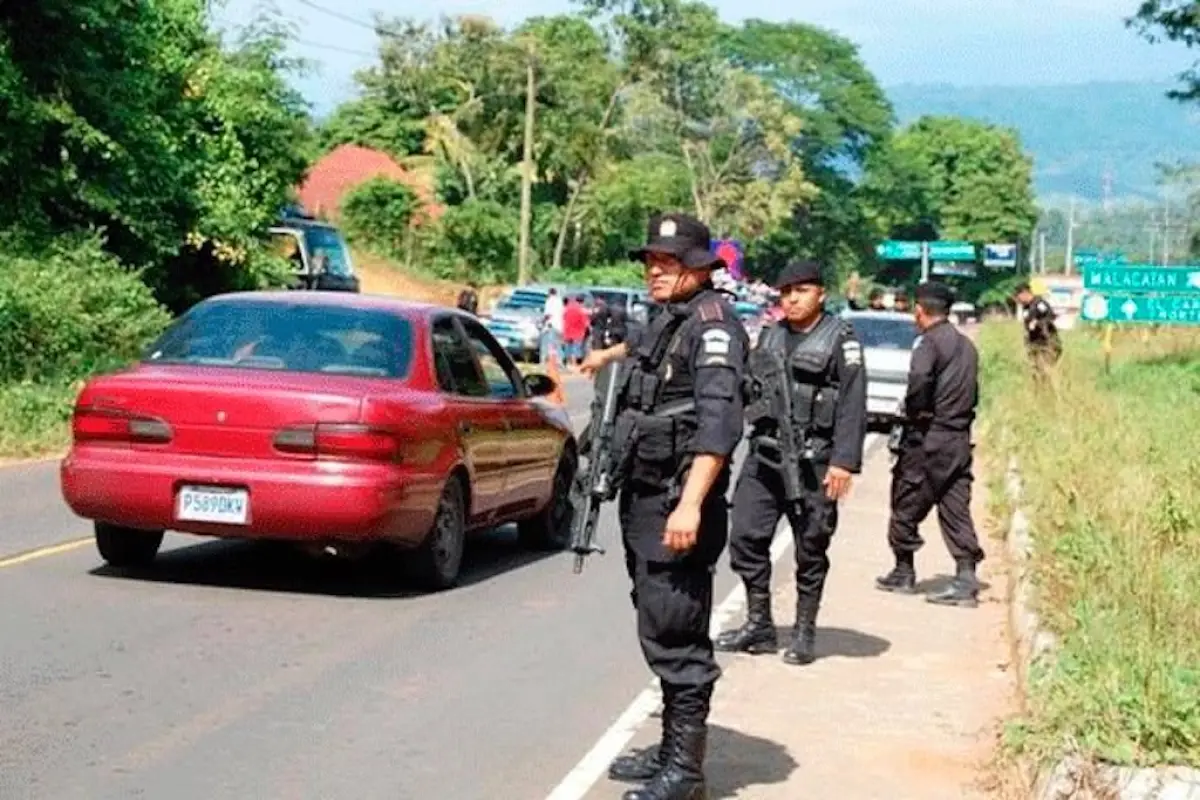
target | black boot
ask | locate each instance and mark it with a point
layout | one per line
(802, 650)
(643, 765)
(903, 577)
(683, 776)
(963, 591)
(757, 634)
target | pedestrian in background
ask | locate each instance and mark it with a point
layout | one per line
(552, 329)
(575, 327)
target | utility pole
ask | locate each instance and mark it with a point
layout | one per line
(1152, 229)
(1042, 253)
(527, 170)
(1166, 229)
(1069, 258)
(1106, 182)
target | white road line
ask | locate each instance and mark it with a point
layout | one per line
(594, 766)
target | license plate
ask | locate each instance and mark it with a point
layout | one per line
(210, 504)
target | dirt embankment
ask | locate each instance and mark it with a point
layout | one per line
(380, 276)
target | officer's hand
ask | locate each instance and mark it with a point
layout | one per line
(837, 483)
(682, 525)
(593, 363)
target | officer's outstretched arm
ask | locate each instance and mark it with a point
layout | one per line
(599, 359)
(850, 416)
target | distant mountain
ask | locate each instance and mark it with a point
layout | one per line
(1076, 132)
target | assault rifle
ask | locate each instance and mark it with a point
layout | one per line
(595, 484)
(772, 403)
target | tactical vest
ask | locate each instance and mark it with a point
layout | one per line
(811, 367)
(658, 418)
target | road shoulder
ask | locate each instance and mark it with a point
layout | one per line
(904, 699)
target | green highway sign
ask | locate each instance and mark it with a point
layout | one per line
(951, 251)
(1175, 310)
(1141, 278)
(898, 251)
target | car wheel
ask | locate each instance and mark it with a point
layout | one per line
(551, 527)
(439, 558)
(127, 547)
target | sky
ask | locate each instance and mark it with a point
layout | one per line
(960, 42)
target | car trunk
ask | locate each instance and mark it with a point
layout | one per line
(230, 412)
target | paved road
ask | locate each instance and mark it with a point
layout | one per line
(240, 671)
(235, 671)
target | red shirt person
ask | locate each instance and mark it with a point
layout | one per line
(576, 320)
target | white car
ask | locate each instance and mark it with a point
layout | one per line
(888, 338)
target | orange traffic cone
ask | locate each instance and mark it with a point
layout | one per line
(559, 395)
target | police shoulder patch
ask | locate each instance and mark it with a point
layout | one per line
(714, 347)
(711, 311)
(852, 353)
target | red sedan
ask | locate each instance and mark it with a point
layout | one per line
(333, 420)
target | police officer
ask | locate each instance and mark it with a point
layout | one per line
(1041, 334)
(933, 467)
(829, 398)
(682, 396)
(608, 325)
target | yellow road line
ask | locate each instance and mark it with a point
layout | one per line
(44, 552)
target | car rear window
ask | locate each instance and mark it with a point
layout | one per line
(887, 334)
(289, 337)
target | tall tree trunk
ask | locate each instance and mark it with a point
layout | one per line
(561, 241)
(527, 174)
(687, 156)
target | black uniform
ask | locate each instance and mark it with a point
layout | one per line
(827, 385)
(1041, 334)
(681, 398)
(933, 467)
(608, 327)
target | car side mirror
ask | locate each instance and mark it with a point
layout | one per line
(539, 385)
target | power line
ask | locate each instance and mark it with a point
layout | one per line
(334, 48)
(338, 15)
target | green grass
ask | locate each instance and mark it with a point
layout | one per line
(1111, 469)
(35, 417)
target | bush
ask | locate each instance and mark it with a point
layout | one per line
(609, 275)
(1111, 469)
(70, 310)
(378, 213)
(34, 417)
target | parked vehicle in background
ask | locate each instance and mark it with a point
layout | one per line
(335, 421)
(634, 302)
(888, 338)
(318, 252)
(516, 320)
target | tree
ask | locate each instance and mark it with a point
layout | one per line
(134, 120)
(845, 116)
(972, 180)
(951, 178)
(1172, 21)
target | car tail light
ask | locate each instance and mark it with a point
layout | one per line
(111, 425)
(352, 442)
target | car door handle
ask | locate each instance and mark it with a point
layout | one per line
(464, 427)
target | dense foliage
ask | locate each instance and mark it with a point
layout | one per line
(773, 133)
(146, 157)
(132, 119)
